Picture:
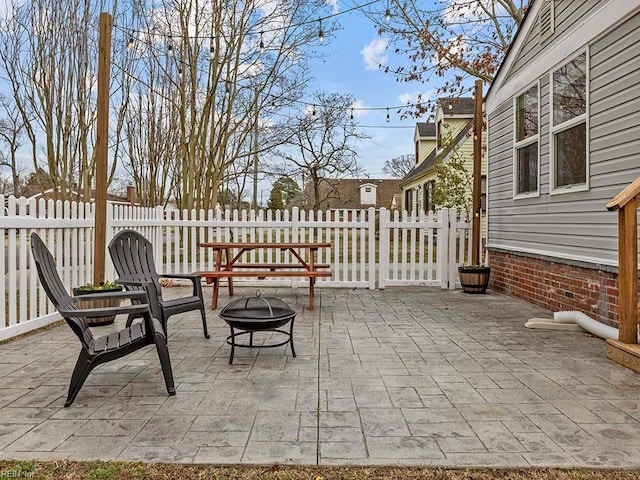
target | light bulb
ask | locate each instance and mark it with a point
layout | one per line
(388, 117)
(320, 32)
(130, 44)
(387, 15)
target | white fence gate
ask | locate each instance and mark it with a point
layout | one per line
(367, 246)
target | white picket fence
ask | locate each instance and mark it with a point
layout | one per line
(369, 248)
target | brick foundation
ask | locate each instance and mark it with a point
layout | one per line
(556, 286)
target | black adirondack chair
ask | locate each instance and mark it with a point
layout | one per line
(98, 350)
(132, 256)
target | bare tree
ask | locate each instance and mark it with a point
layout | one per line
(323, 143)
(12, 135)
(447, 42)
(399, 167)
(49, 57)
(218, 72)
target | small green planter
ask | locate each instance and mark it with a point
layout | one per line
(111, 302)
(474, 279)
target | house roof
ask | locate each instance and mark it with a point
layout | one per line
(457, 106)
(514, 41)
(426, 129)
(345, 192)
(75, 196)
(424, 166)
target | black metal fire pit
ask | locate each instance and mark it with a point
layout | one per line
(257, 314)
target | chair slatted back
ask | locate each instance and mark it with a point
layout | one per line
(53, 286)
(132, 256)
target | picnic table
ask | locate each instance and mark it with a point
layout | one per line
(305, 254)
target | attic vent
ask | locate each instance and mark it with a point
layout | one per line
(545, 20)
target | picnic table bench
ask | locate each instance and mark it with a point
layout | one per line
(229, 267)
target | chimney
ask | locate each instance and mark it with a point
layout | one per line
(131, 194)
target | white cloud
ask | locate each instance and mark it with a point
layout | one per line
(374, 53)
(357, 107)
(413, 98)
(333, 4)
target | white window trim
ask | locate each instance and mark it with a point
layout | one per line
(523, 143)
(555, 129)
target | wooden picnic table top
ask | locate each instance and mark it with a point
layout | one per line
(282, 245)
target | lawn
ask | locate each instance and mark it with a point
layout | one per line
(131, 471)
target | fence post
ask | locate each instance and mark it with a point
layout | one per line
(109, 234)
(383, 247)
(453, 236)
(371, 232)
(295, 220)
(442, 256)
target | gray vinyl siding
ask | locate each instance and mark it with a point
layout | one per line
(574, 224)
(567, 13)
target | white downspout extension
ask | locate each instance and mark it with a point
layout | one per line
(589, 324)
(575, 318)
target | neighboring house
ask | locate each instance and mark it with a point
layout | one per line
(564, 139)
(454, 120)
(352, 193)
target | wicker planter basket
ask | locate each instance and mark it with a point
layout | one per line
(111, 302)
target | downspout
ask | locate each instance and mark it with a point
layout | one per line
(578, 318)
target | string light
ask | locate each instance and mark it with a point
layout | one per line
(320, 32)
(130, 43)
(387, 14)
(261, 43)
(180, 73)
(212, 50)
(227, 87)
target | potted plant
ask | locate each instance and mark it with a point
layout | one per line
(474, 278)
(102, 287)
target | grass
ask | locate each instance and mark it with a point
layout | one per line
(68, 470)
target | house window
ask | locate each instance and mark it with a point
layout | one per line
(425, 197)
(439, 134)
(526, 156)
(408, 200)
(367, 189)
(569, 125)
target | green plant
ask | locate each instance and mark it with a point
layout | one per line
(471, 268)
(103, 470)
(106, 285)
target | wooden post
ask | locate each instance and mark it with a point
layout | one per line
(477, 174)
(628, 272)
(625, 350)
(102, 137)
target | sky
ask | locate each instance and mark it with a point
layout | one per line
(350, 66)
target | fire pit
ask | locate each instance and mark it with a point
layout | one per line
(257, 314)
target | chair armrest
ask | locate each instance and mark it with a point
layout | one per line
(123, 294)
(135, 283)
(185, 276)
(68, 310)
(196, 280)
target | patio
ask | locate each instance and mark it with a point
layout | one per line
(405, 376)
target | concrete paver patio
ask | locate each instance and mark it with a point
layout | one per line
(411, 376)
